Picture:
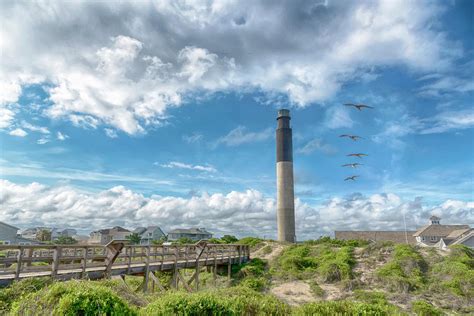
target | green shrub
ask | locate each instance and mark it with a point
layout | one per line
(255, 268)
(267, 249)
(72, 298)
(17, 290)
(405, 271)
(326, 240)
(330, 263)
(370, 297)
(316, 289)
(422, 308)
(256, 284)
(232, 301)
(327, 308)
(251, 241)
(455, 273)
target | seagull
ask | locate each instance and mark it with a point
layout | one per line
(353, 165)
(353, 137)
(358, 106)
(356, 155)
(353, 178)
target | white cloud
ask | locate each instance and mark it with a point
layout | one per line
(337, 117)
(60, 136)
(193, 138)
(240, 213)
(180, 165)
(316, 145)
(240, 135)
(43, 140)
(6, 117)
(442, 122)
(35, 128)
(129, 72)
(110, 133)
(18, 132)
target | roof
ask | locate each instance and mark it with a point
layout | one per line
(458, 232)
(139, 230)
(111, 230)
(394, 236)
(438, 230)
(149, 229)
(434, 218)
(197, 231)
(464, 238)
(9, 225)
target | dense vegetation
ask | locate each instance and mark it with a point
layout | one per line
(399, 279)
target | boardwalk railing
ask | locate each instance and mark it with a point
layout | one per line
(117, 258)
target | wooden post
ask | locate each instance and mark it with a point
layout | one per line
(157, 281)
(84, 261)
(113, 250)
(175, 274)
(28, 253)
(18, 263)
(147, 269)
(130, 250)
(240, 254)
(55, 265)
(229, 269)
(215, 266)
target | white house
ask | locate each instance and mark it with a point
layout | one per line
(104, 236)
(194, 234)
(148, 234)
(437, 235)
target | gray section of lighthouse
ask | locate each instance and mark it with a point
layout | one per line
(285, 186)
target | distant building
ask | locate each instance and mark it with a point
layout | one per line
(441, 236)
(9, 236)
(194, 234)
(104, 236)
(35, 233)
(148, 234)
(373, 236)
(68, 232)
(432, 235)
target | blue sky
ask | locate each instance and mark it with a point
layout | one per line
(122, 117)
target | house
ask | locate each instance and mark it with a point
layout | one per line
(104, 236)
(437, 235)
(9, 236)
(68, 232)
(37, 233)
(194, 234)
(148, 234)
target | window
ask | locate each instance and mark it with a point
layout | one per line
(433, 238)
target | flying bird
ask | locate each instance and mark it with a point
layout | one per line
(353, 137)
(353, 178)
(356, 155)
(359, 106)
(353, 165)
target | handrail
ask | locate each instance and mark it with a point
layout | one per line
(17, 261)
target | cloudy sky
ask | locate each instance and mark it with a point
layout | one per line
(163, 112)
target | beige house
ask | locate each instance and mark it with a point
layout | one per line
(104, 236)
(437, 235)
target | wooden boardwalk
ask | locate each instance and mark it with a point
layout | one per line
(65, 262)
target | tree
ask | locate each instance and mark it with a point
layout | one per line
(185, 240)
(229, 239)
(43, 235)
(134, 238)
(65, 240)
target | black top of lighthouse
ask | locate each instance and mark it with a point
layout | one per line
(284, 148)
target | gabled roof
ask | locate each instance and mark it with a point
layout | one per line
(463, 239)
(9, 225)
(139, 230)
(458, 232)
(438, 230)
(197, 231)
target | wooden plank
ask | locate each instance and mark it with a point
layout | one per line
(157, 281)
(55, 265)
(84, 261)
(18, 264)
(186, 286)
